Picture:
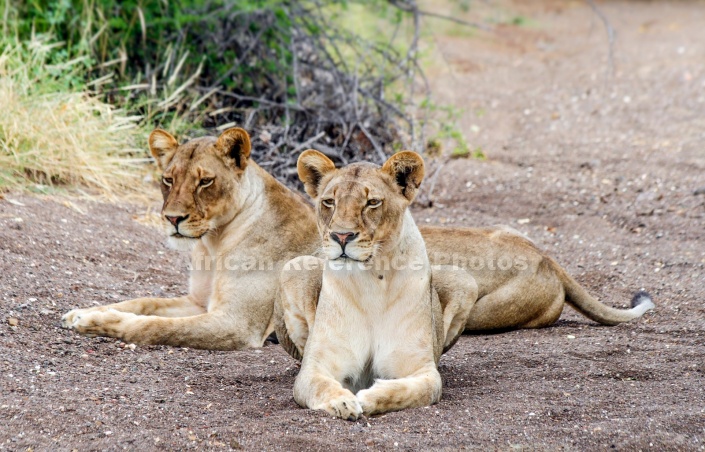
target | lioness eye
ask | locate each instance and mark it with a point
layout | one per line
(329, 202)
(167, 181)
(374, 202)
(205, 182)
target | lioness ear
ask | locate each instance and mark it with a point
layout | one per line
(407, 169)
(163, 146)
(312, 166)
(235, 143)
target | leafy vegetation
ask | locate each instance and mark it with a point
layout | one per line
(295, 74)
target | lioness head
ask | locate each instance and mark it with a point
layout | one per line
(360, 207)
(200, 181)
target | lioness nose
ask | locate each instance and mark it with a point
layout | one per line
(343, 238)
(175, 220)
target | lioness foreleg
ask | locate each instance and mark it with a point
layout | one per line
(162, 307)
(422, 388)
(457, 293)
(295, 307)
(236, 319)
(210, 331)
(319, 391)
(194, 303)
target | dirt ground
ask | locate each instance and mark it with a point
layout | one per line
(604, 170)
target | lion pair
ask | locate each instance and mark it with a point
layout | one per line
(366, 299)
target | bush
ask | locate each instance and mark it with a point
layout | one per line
(339, 76)
(286, 71)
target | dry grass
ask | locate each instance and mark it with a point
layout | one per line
(54, 135)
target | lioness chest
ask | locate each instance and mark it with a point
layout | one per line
(374, 324)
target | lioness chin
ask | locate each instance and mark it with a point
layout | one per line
(365, 317)
(242, 225)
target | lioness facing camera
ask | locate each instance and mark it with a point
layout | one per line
(486, 279)
(366, 317)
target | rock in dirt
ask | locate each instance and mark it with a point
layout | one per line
(699, 191)
(13, 321)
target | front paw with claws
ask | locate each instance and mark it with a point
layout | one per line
(97, 323)
(345, 407)
(70, 318)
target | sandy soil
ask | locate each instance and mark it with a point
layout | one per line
(607, 172)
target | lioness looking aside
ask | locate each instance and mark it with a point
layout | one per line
(242, 224)
(365, 317)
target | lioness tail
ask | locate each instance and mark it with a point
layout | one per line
(591, 308)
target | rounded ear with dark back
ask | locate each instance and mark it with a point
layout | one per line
(234, 143)
(163, 146)
(407, 169)
(312, 166)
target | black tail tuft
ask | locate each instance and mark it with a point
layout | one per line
(641, 297)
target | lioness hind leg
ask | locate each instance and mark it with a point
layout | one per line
(420, 389)
(550, 314)
(162, 307)
(296, 302)
(529, 303)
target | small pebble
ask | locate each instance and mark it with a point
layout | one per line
(13, 321)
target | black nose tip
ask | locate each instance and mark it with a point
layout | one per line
(175, 220)
(343, 238)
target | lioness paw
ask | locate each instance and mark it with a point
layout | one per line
(344, 407)
(68, 319)
(100, 323)
(366, 401)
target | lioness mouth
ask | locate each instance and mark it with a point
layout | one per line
(345, 256)
(178, 235)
